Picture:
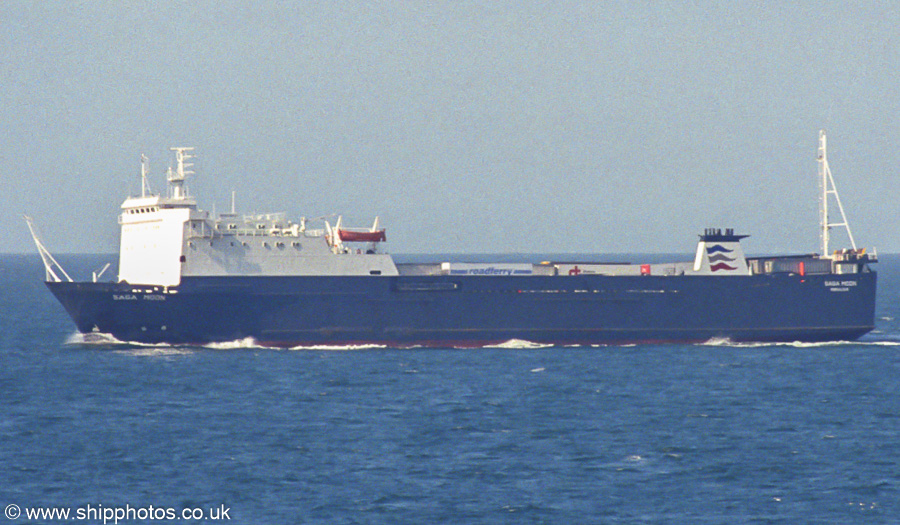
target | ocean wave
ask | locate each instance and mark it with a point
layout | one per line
(92, 338)
(153, 351)
(519, 344)
(338, 348)
(799, 344)
(718, 341)
(880, 342)
(724, 341)
(109, 340)
(247, 342)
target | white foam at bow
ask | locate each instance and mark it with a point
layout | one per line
(104, 339)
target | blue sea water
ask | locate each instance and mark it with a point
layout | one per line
(716, 433)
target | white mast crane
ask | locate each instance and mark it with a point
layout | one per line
(826, 184)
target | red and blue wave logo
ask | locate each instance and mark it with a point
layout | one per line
(719, 258)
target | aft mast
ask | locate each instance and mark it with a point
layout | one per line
(826, 185)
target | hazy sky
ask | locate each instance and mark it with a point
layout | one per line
(467, 126)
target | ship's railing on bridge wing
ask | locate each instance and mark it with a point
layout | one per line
(209, 233)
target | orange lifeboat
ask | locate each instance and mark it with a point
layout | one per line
(365, 236)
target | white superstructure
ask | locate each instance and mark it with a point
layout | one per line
(165, 238)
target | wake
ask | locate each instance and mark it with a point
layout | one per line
(724, 341)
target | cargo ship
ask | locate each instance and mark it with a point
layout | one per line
(188, 277)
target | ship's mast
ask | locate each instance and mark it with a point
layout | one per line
(826, 185)
(176, 178)
(145, 170)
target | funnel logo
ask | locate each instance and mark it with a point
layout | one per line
(719, 258)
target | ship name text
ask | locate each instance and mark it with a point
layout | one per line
(132, 297)
(840, 286)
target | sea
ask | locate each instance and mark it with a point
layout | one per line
(715, 433)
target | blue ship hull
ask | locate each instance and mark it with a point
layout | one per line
(470, 311)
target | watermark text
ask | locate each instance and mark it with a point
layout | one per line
(116, 514)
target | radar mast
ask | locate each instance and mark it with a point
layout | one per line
(176, 178)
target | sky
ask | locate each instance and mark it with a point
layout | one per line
(467, 127)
